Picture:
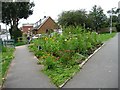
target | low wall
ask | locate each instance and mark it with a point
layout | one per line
(105, 30)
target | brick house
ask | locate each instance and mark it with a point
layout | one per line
(26, 28)
(44, 25)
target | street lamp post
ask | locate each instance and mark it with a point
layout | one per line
(6, 32)
(111, 20)
(111, 24)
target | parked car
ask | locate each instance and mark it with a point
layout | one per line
(36, 36)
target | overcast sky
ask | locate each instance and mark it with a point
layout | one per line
(54, 7)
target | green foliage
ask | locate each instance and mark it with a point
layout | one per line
(49, 62)
(104, 37)
(114, 19)
(5, 59)
(60, 75)
(98, 17)
(7, 55)
(12, 12)
(15, 33)
(62, 54)
(4, 49)
(21, 40)
(20, 43)
(78, 58)
(118, 27)
(94, 20)
(73, 18)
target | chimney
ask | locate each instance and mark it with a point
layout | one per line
(40, 20)
(44, 16)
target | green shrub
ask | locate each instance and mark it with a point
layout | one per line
(4, 49)
(15, 33)
(78, 58)
(50, 62)
(118, 27)
(19, 43)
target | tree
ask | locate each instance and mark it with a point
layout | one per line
(98, 17)
(73, 18)
(118, 24)
(115, 18)
(12, 12)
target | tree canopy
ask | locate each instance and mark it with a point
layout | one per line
(94, 20)
(74, 18)
(12, 12)
(98, 17)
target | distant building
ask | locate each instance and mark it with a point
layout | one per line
(26, 28)
(5, 36)
(44, 25)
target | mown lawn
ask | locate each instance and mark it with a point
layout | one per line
(7, 54)
(106, 36)
(20, 43)
(62, 54)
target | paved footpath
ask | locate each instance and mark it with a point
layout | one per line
(101, 71)
(25, 73)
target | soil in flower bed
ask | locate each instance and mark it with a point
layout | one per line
(90, 51)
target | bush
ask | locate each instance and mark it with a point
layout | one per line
(118, 27)
(15, 33)
(49, 62)
(19, 43)
(4, 49)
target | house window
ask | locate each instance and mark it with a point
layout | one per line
(46, 30)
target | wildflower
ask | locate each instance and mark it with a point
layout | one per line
(65, 39)
(46, 38)
(48, 54)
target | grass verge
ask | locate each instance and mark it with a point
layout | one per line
(106, 36)
(7, 55)
(20, 43)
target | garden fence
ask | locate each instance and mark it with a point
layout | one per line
(10, 42)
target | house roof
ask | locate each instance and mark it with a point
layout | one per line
(27, 24)
(41, 22)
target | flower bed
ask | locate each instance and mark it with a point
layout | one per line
(62, 54)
